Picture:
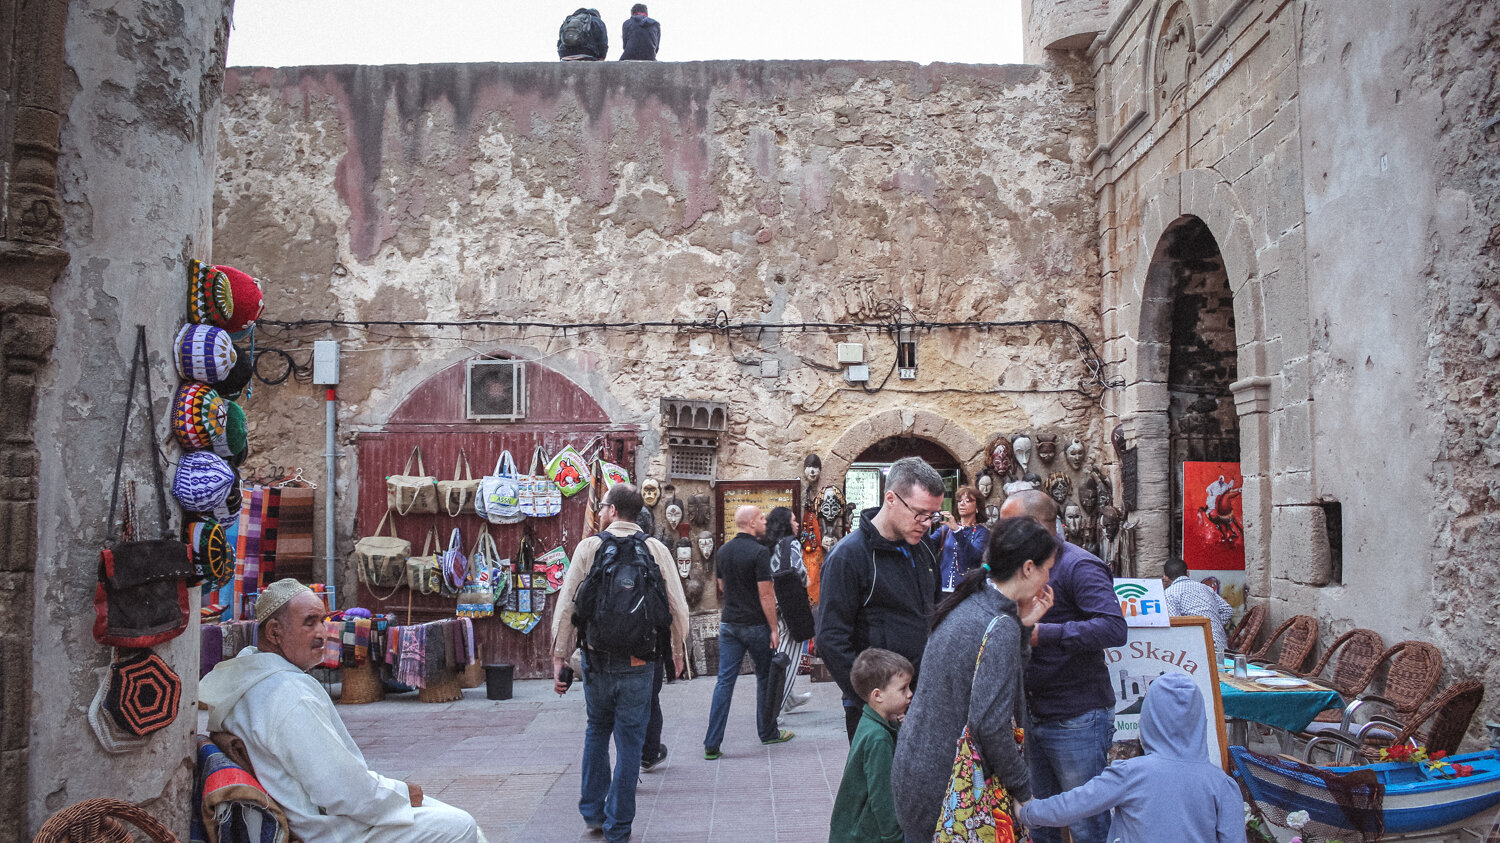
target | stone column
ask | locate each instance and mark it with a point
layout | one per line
(1252, 401)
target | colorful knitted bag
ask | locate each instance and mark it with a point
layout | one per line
(210, 297)
(203, 481)
(198, 416)
(143, 693)
(204, 353)
(248, 300)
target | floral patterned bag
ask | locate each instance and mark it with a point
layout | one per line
(976, 810)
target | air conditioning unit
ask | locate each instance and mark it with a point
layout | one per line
(495, 390)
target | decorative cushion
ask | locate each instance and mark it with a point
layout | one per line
(203, 481)
(199, 416)
(143, 693)
(238, 378)
(210, 295)
(204, 353)
(249, 301)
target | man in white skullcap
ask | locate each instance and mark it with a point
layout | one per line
(299, 747)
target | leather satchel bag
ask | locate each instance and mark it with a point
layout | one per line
(457, 495)
(422, 574)
(142, 597)
(381, 560)
(409, 493)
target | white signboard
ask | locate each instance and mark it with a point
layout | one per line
(1142, 602)
(1184, 647)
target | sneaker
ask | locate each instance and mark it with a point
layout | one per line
(649, 764)
(781, 737)
(594, 826)
(798, 700)
(712, 753)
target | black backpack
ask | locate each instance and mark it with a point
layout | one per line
(622, 608)
(577, 29)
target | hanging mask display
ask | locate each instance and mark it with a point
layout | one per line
(1073, 518)
(831, 504)
(1075, 454)
(1021, 448)
(698, 509)
(685, 559)
(650, 491)
(672, 514)
(985, 484)
(706, 545)
(1088, 495)
(812, 469)
(1000, 456)
(1059, 487)
(1046, 447)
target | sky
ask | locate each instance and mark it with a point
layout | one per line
(286, 33)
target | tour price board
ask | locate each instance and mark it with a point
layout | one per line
(730, 495)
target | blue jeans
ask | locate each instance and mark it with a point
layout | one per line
(617, 697)
(734, 641)
(1063, 754)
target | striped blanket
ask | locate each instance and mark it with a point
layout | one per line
(229, 804)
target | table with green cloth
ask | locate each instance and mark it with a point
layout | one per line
(1284, 708)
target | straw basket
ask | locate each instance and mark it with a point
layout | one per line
(472, 676)
(444, 690)
(361, 684)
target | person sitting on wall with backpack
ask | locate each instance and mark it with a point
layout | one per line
(583, 37)
(621, 602)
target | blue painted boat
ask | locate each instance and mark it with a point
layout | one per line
(1414, 799)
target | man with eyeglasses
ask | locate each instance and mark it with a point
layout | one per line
(881, 581)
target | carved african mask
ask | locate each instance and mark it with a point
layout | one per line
(1073, 517)
(1088, 494)
(1117, 439)
(991, 514)
(812, 468)
(1046, 447)
(650, 491)
(706, 544)
(1059, 487)
(829, 541)
(1021, 447)
(697, 510)
(685, 559)
(1000, 456)
(831, 503)
(673, 514)
(1106, 492)
(985, 484)
(1074, 454)
(1109, 519)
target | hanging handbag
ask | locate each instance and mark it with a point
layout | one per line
(477, 599)
(525, 602)
(409, 493)
(499, 498)
(457, 494)
(142, 596)
(381, 560)
(540, 497)
(422, 571)
(143, 693)
(552, 566)
(977, 810)
(569, 470)
(612, 474)
(453, 564)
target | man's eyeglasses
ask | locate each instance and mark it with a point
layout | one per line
(602, 506)
(922, 517)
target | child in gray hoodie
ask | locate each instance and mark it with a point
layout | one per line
(1171, 793)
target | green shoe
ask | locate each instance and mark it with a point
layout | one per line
(712, 753)
(782, 737)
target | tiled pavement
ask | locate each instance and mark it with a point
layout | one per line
(514, 764)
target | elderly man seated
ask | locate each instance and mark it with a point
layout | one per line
(301, 751)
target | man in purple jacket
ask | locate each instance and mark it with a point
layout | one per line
(1067, 682)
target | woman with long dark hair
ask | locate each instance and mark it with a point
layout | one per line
(793, 611)
(962, 684)
(964, 538)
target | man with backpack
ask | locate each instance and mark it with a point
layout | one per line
(583, 37)
(621, 602)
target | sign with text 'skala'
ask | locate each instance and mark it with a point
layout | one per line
(1143, 602)
(1185, 647)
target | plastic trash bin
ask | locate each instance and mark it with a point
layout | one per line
(499, 681)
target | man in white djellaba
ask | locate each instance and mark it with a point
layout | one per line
(303, 755)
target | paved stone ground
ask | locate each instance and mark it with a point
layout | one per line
(515, 764)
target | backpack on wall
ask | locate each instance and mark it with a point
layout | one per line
(577, 28)
(622, 606)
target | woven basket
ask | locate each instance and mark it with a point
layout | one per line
(444, 690)
(361, 685)
(472, 676)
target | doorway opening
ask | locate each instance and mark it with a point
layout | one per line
(864, 482)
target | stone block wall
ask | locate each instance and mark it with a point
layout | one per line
(777, 192)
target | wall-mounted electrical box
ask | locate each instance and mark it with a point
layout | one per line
(859, 373)
(326, 362)
(851, 352)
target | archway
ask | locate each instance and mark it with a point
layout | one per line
(864, 481)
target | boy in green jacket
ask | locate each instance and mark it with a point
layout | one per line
(864, 810)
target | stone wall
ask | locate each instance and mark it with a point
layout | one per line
(781, 192)
(1339, 160)
(135, 181)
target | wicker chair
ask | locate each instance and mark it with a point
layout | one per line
(1248, 630)
(1359, 652)
(96, 821)
(1413, 669)
(1298, 636)
(1439, 726)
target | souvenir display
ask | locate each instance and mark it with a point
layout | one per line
(210, 295)
(540, 497)
(499, 497)
(204, 353)
(457, 495)
(380, 560)
(199, 416)
(612, 474)
(412, 494)
(203, 481)
(569, 470)
(208, 547)
(247, 297)
(143, 693)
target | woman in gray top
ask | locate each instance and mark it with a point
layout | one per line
(1011, 585)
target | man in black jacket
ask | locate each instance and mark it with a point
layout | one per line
(583, 37)
(641, 34)
(880, 582)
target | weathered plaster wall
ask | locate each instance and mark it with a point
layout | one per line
(142, 82)
(783, 192)
(1338, 158)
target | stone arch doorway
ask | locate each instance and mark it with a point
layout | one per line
(864, 482)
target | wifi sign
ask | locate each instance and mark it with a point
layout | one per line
(1132, 604)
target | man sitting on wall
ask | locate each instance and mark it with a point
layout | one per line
(299, 747)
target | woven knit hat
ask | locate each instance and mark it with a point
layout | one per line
(204, 353)
(238, 378)
(208, 544)
(210, 295)
(236, 431)
(198, 416)
(248, 299)
(203, 481)
(276, 595)
(143, 693)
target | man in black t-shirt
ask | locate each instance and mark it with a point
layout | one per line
(747, 624)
